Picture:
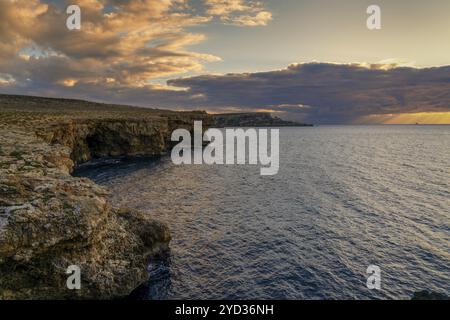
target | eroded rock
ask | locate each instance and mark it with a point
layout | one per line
(50, 220)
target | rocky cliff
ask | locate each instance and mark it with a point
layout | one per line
(50, 220)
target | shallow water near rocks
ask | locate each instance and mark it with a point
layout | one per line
(345, 197)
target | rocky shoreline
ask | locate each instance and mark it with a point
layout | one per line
(50, 220)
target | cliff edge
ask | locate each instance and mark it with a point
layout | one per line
(50, 220)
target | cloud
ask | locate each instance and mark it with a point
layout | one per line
(327, 93)
(311, 92)
(129, 41)
(126, 44)
(239, 12)
(121, 42)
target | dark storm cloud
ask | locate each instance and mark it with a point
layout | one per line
(313, 92)
(326, 93)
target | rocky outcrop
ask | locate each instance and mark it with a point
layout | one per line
(100, 138)
(50, 220)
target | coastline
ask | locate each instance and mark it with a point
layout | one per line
(50, 220)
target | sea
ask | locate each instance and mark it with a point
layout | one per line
(345, 198)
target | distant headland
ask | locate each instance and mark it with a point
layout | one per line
(252, 119)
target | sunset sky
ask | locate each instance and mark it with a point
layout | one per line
(312, 61)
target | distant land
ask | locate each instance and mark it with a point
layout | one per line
(62, 105)
(253, 119)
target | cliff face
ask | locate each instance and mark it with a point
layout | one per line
(89, 139)
(50, 220)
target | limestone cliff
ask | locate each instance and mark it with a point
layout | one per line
(50, 220)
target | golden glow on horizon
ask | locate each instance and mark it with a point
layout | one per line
(409, 118)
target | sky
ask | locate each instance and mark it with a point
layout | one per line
(312, 61)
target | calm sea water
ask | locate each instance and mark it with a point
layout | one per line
(346, 197)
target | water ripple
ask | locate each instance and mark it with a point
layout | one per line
(345, 198)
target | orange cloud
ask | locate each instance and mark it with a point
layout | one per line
(133, 43)
(239, 12)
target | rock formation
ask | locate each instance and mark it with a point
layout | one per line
(50, 220)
